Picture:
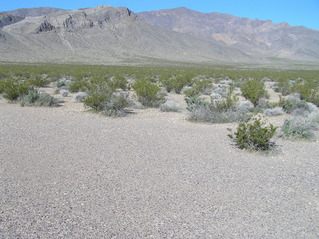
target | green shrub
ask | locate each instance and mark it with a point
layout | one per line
(284, 87)
(298, 127)
(253, 90)
(117, 82)
(167, 83)
(115, 106)
(78, 85)
(230, 102)
(38, 81)
(13, 89)
(253, 134)
(191, 92)
(195, 102)
(148, 93)
(2, 83)
(107, 102)
(309, 91)
(36, 98)
(61, 83)
(176, 83)
(202, 85)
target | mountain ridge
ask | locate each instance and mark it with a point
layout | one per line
(250, 35)
(101, 35)
(106, 35)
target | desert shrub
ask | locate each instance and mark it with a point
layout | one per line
(299, 127)
(38, 81)
(176, 83)
(106, 101)
(169, 106)
(167, 83)
(222, 90)
(148, 93)
(78, 85)
(274, 111)
(203, 86)
(219, 111)
(292, 103)
(230, 102)
(61, 83)
(253, 90)
(115, 106)
(36, 98)
(117, 82)
(64, 92)
(254, 134)
(2, 83)
(206, 114)
(13, 89)
(308, 90)
(195, 102)
(191, 92)
(200, 86)
(80, 97)
(245, 106)
(284, 87)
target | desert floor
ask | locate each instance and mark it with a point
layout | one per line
(67, 173)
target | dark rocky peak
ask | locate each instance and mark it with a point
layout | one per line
(8, 19)
(45, 27)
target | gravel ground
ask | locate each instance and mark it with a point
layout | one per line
(70, 174)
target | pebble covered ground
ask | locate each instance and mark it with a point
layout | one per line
(66, 173)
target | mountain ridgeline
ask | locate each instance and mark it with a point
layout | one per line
(107, 35)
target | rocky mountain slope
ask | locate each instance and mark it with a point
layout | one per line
(103, 35)
(106, 35)
(33, 12)
(8, 19)
(251, 36)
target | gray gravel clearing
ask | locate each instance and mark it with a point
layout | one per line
(70, 174)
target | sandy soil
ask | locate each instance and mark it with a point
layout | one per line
(67, 173)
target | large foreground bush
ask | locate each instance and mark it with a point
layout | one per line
(254, 134)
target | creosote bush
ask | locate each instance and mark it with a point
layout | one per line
(253, 134)
(176, 83)
(105, 100)
(13, 89)
(308, 90)
(148, 93)
(117, 82)
(254, 90)
(78, 85)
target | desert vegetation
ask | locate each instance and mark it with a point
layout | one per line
(219, 94)
(254, 134)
